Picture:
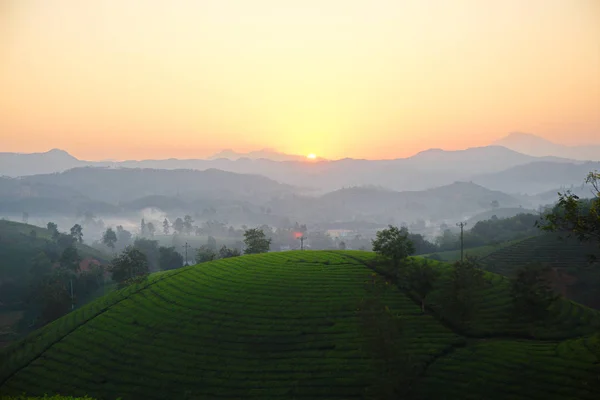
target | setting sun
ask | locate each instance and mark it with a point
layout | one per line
(311, 156)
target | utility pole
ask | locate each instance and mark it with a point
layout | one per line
(186, 246)
(462, 246)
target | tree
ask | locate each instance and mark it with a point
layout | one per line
(123, 237)
(419, 278)
(226, 252)
(211, 243)
(166, 226)
(342, 245)
(188, 224)
(150, 228)
(169, 258)
(143, 231)
(70, 259)
(131, 264)
(150, 249)
(495, 204)
(77, 233)
(465, 281)
(178, 225)
(204, 254)
(109, 238)
(393, 243)
(531, 292)
(580, 218)
(53, 228)
(256, 241)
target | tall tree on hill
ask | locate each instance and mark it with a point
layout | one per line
(77, 233)
(531, 293)
(188, 224)
(166, 226)
(70, 259)
(130, 265)
(150, 228)
(211, 243)
(226, 252)
(205, 254)
(123, 237)
(169, 258)
(466, 280)
(577, 217)
(143, 231)
(109, 238)
(419, 278)
(53, 228)
(150, 249)
(393, 243)
(178, 225)
(256, 241)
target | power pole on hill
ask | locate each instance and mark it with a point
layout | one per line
(186, 246)
(462, 245)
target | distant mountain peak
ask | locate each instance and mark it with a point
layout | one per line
(537, 146)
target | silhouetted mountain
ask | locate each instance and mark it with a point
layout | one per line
(527, 143)
(18, 164)
(424, 170)
(537, 177)
(371, 204)
(268, 154)
(124, 184)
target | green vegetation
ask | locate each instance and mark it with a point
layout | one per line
(568, 259)
(479, 252)
(37, 269)
(306, 324)
(45, 398)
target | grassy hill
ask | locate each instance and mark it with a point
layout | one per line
(301, 324)
(479, 251)
(573, 274)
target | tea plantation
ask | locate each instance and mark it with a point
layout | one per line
(291, 325)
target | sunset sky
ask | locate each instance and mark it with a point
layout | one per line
(134, 79)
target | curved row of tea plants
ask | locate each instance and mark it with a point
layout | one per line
(282, 325)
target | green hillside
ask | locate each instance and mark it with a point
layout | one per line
(479, 251)
(301, 324)
(573, 276)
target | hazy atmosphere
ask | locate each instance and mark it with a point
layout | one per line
(142, 79)
(299, 199)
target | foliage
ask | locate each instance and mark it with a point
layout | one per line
(466, 279)
(419, 277)
(109, 238)
(150, 228)
(166, 226)
(393, 243)
(178, 225)
(169, 258)
(53, 229)
(188, 224)
(225, 252)
(128, 265)
(150, 249)
(205, 254)
(286, 325)
(70, 259)
(531, 293)
(580, 218)
(256, 241)
(211, 243)
(77, 233)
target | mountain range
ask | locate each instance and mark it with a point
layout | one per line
(536, 146)
(494, 167)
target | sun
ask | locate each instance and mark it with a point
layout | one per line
(311, 156)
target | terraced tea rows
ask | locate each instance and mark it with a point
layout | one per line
(277, 326)
(292, 325)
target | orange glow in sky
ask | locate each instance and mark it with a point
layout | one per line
(133, 79)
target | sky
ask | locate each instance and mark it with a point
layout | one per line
(136, 79)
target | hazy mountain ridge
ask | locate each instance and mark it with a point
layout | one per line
(533, 145)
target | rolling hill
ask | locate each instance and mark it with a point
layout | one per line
(301, 324)
(569, 259)
(533, 145)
